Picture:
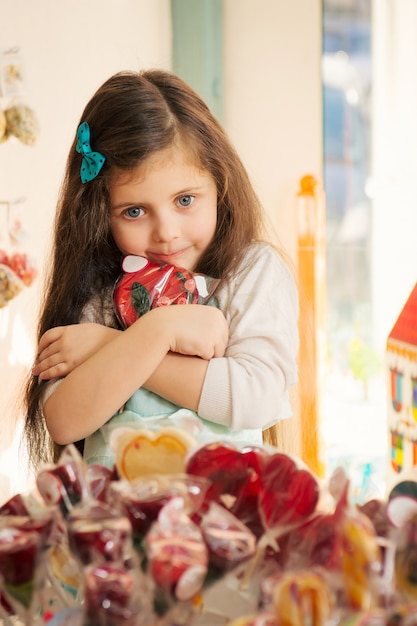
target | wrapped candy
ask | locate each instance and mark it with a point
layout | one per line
(99, 479)
(177, 554)
(145, 285)
(361, 560)
(96, 533)
(406, 559)
(302, 598)
(142, 500)
(229, 541)
(113, 596)
(288, 493)
(64, 484)
(62, 487)
(234, 476)
(265, 491)
(20, 554)
(377, 511)
(17, 505)
(344, 545)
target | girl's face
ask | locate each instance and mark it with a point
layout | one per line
(165, 210)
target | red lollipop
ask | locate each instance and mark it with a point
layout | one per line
(145, 285)
(225, 466)
(287, 494)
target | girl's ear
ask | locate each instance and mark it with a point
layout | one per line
(132, 263)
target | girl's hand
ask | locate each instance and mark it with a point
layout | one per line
(63, 348)
(194, 330)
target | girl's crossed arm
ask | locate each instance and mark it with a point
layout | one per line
(115, 364)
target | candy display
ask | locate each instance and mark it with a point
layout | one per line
(221, 535)
(145, 285)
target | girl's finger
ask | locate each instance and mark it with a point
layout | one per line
(51, 336)
(44, 363)
(55, 371)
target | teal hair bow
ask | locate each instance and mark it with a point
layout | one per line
(92, 161)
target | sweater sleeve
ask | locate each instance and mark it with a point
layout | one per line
(248, 387)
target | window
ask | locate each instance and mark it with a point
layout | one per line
(354, 404)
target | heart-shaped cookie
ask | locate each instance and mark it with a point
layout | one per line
(144, 452)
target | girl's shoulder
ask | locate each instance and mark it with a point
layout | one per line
(263, 270)
(264, 283)
(265, 258)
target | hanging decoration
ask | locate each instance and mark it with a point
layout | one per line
(17, 267)
(17, 119)
(3, 127)
(21, 121)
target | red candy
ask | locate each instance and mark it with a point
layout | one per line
(98, 478)
(19, 554)
(176, 552)
(288, 494)
(265, 490)
(229, 541)
(96, 533)
(313, 543)
(15, 506)
(146, 285)
(111, 596)
(64, 484)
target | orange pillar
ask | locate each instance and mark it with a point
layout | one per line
(312, 292)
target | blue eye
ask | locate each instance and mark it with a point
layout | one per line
(134, 211)
(186, 200)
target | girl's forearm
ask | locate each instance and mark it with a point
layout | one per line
(95, 390)
(179, 379)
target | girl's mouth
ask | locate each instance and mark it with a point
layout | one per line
(168, 257)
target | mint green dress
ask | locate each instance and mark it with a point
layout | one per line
(147, 410)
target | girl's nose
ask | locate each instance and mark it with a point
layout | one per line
(166, 228)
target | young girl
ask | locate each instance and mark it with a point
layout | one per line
(152, 173)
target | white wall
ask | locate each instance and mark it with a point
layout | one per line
(273, 108)
(273, 114)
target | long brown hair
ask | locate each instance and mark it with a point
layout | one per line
(131, 116)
